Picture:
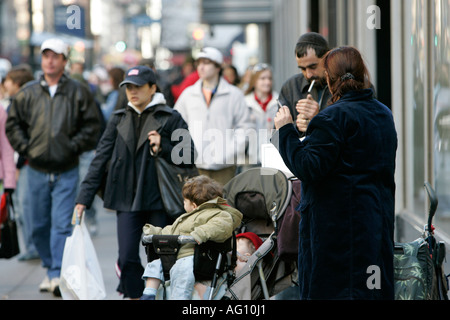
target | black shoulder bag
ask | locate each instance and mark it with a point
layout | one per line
(171, 179)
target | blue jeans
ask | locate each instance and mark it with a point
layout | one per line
(52, 199)
(23, 209)
(182, 279)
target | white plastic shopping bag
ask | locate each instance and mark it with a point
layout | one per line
(81, 277)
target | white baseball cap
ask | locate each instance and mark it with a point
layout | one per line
(212, 54)
(56, 45)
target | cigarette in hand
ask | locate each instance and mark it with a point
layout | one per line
(279, 104)
(311, 86)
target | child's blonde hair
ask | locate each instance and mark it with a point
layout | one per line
(201, 189)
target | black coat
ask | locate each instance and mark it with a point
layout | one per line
(131, 183)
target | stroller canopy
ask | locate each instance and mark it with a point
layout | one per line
(259, 193)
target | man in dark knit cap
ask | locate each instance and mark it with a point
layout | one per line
(307, 93)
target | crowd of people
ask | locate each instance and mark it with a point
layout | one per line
(74, 135)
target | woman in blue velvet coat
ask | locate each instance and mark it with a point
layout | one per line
(346, 164)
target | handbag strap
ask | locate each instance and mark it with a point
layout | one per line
(167, 111)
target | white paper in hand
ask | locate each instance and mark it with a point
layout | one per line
(271, 158)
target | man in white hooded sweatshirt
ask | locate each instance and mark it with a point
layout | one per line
(218, 118)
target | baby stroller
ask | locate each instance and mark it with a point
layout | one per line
(267, 198)
(418, 265)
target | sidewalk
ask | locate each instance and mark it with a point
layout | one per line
(19, 280)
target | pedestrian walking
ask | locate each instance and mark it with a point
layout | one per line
(188, 77)
(51, 122)
(307, 93)
(146, 124)
(231, 74)
(77, 72)
(261, 99)
(7, 163)
(116, 76)
(218, 118)
(346, 164)
(14, 81)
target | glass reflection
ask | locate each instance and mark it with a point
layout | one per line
(442, 110)
(418, 51)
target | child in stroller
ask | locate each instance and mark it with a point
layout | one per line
(246, 244)
(208, 218)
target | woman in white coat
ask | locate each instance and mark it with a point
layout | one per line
(261, 100)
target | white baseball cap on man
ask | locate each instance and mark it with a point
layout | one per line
(56, 45)
(212, 54)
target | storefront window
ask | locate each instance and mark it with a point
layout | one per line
(419, 58)
(442, 112)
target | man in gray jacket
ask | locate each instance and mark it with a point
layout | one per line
(51, 122)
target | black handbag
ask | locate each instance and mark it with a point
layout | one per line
(171, 179)
(9, 245)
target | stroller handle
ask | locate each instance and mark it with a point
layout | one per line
(181, 239)
(433, 204)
